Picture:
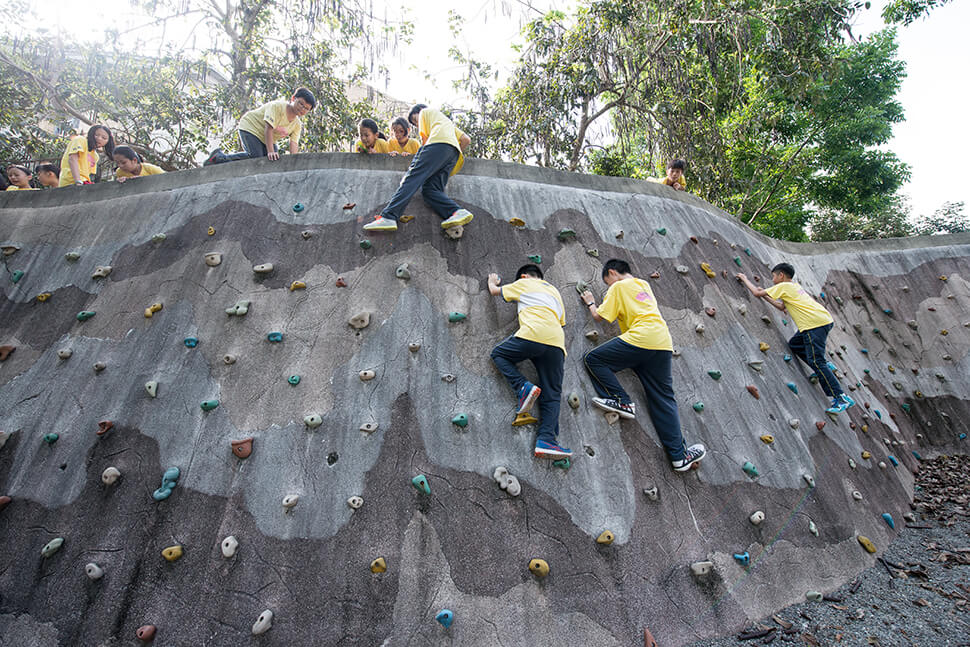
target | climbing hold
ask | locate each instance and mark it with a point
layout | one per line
(293, 380)
(72, 256)
(152, 309)
(753, 390)
(263, 268)
(699, 328)
(289, 501)
(414, 346)
(101, 271)
(606, 538)
(341, 283)
(454, 233)
(461, 420)
(420, 483)
(367, 375)
(891, 368)
(238, 309)
(662, 231)
(65, 353)
(707, 270)
(715, 375)
(743, 558)
(888, 518)
(809, 480)
(360, 320)
(242, 448)
(369, 427)
(917, 456)
(448, 377)
(682, 269)
(757, 517)
(365, 244)
(298, 207)
(51, 547)
(698, 406)
(229, 546)
(882, 465)
(211, 231)
(539, 567)
(191, 342)
(750, 469)
(110, 475)
(84, 315)
(229, 359)
(737, 261)
(857, 495)
(5, 352)
(866, 455)
(506, 481)
(792, 387)
(943, 277)
(403, 271)
(766, 319)
(820, 424)
(263, 623)
(104, 427)
(93, 571)
(525, 418)
(209, 405)
(652, 492)
(16, 275)
(851, 463)
(516, 222)
(619, 235)
(535, 258)
(763, 347)
(445, 617)
(867, 544)
(702, 569)
(710, 311)
(573, 400)
(313, 420)
(693, 239)
(742, 309)
(767, 439)
(756, 364)
(562, 463)
(275, 337)
(43, 296)
(592, 335)
(172, 553)
(944, 332)
(812, 528)
(655, 275)
(355, 502)
(814, 596)
(595, 253)
(213, 259)
(169, 480)
(566, 234)
(864, 351)
(893, 460)
(454, 317)
(146, 633)
(887, 311)
(51, 438)
(676, 352)
(297, 285)
(99, 366)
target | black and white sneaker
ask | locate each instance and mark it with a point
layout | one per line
(627, 411)
(692, 454)
(214, 157)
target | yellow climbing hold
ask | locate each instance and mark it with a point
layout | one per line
(379, 565)
(763, 347)
(539, 567)
(707, 270)
(43, 296)
(406, 218)
(211, 231)
(767, 439)
(865, 429)
(517, 222)
(172, 553)
(152, 309)
(867, 544)
(606, 538)
(525, 418)
(297, 285)
(866, 455)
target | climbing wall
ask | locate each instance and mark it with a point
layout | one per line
(229, 418)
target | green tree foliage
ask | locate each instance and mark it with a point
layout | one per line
(948, 219)
(908, 11)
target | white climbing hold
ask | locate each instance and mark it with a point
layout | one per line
(313, 420)
(743, 309)
(101, 271)
(757, 517)
(367, 375)
(93, 571)
(414, 346)
(455, 232)
(110, 475)
(612, 417)
(851, 463)
(52, 547)
(882, 465)
(812, 528)
(264, 268)
(151, 387)
(360, 320)
(369, 427)
(682, 269)
(355, 502)
(857, 495)
(263, 623)
(809, 479)
(229, 546)
(507, 481)
(793, 423)
(290, 500)
(652, 492)
(699, 328)
(593, 335)
(229, 359)
(64, 353)
(403, 271)
(700, 569)
(756, 364)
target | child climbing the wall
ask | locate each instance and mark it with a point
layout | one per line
(80, 159)
(130, 164)
(260, 128)
(813, 322)
(19, 177)
(47, 176)
(402, 143)
(539, 339)
(372, 140)
(645, 346)
(440, 156)
(675, 175)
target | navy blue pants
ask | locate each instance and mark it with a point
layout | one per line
(809, 346)
(252, 148)
(548, 361)
(429, 171)
(653, 369)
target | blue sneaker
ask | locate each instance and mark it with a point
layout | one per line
(528, 395)
(838, 405)
(551, 450)
(846, 400)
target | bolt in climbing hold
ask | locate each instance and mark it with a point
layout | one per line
(743, 558)
(867, 544)
(715, 375)
(365, 244)
(172, 553)
(461, 420)
(242, 448)
(263, 268)
(229, 546)
(355, 502)
(290, 501)
(566, 234)
(51, 438)
(104, 427)
(93, 571)
(420, 483)
(606, 538)
(146, 633)
(750, 469)
(379, 565)
(445, 617)
(313, 420)
(793, 387)
(169, 480)
(767, 439)
(573, 400)
(524, 418)
(562, 463)
(707, 270)
(360, 320)
(367, 375)
(814, 596)
(368, 427)
(698, 406)
(84, 315)
(65, 353)
(702, 569)
(212, 259)
(297, 285)
(763, 347)
(263, 623)
(455, 317)
(101, 271)
(403, 271)
(209, 405)
(110, 475)
(52, 547)
(275, 337)
(539, 567)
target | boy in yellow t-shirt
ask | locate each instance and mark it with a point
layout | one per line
(260, 128)
(645, 346)
(401, 142)
(540, 340)
(813, 322)
(675, 175)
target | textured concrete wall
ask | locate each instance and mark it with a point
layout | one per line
(465, 547)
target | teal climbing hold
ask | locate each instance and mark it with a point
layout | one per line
(787, 358)
(864, 351)
(169, 479)
(275, 336)
(191, 342)
(866, 371)
(887, 311)
(455, 317)
(750, 469)
(888, 518)
(536, 258)
(16, 275)
(917, 456)
(298, 207)
(878, 413)
(876, 331)
(698, 406)
(562, 463)
(893, 460)
(209, 405)
(445, 617)
(461, 420)
(365, 244)
(962, 436)
(784, 322)
(715, 375)
(906, 407)
(747, 250)
(662, 231)
(420, 483)
(566, 234)
(793, 387)
(737, 261)
(743, 558)
(51, 438)
(293, 379)
(84, 315)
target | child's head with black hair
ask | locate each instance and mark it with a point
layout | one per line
(19, 176)
(47, 175)
(303, 101)
(676, 164)
(401, 130)
(127, 160)
(614, 269)
(528, 271)
(782, 272)
(414, 112)
(99, 136)
(369, 132)
(675, 171)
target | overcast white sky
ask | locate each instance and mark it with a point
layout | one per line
(934, 140)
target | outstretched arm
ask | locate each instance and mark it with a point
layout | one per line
(590, 302)
(493, 282)
(761, 293)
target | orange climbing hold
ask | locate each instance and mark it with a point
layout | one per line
(655, 275)
(242, 448)
(104, 427)
(820, 425)
(753, 390)
(341, 283)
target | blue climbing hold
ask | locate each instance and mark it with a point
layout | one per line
(821, 295)
(445, 617)
(420, 483)
(878, 413)
(962, 436)
(275, 336)
(793, 387)
(750, 469)
(209, 405)
(16, 275)
(787, 358)
(893, 460)
(864, 351)
(293, 379)
(743, 558)
(169, 480)
(887, 311)
(917, 456)
(888, 518)
(191, 342)
(298, 207)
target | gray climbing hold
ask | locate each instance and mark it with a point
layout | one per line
(573, 400)
(93, 571)
(403, 271)
(51, 547)
(814, 596)
(857, 495)
(581, 286)
(151, 387)
(101, 271)
(213, 258)
(263, 268)
(313, 420)
(756, 364)
(360, 320)
(263, 623)
(699, 328)
(99, 366)
(742, 309)
(239, 309)
(110, 475)
(809, 480)
(612, 417)
(793, 423)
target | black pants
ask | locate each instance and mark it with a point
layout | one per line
(548, 361)
(809, 346)
(429, 171)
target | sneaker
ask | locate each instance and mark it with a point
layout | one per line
(838, 406)
(692, 454)
(551, 450)
(460, 217)
(381, 224)
(214, 157)
(528, 395)
(627, 411)
(846, 400)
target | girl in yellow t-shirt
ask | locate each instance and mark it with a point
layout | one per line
(372, 140)
(130, 164)
(402, 143)
(19, 178)
(81, 157)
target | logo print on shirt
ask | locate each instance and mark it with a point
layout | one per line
(642, 296)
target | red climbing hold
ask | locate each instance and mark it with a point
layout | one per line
(710, 311)
(5, 352)
(340, 282)
(146, 633)
(865, 404)
(693, 239)
(753, 390)
(4, 501)
(892, 415)
(648, 640)
(104, 427)
(242, 448)
(820, 424)
(350, 205)
(655, 275)
(931, 309)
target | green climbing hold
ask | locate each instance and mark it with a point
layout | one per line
(662, 231)
(698, 406)
(566, 234)
(16, 275)
(420, 483)
(562, 463)
(293, 379)
(784, 322)
(866, 371)
(157, 238)
(750, 469)
(298, 207)
(595, 253)
(461, 420)
(737, 261)
(84, 315)
(875, 331)
(536, 258)
(365, 244)
(51, 438)
(747, 250)
(906, 407)
(455, 317)
(581, 286)
(715, 375)
(209, 405)
(72, 256)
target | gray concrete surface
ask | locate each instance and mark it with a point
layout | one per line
(466, 547)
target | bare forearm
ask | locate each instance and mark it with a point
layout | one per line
(75, 167)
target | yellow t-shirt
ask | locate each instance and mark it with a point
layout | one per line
(380, 146)
(20, 188)
(87, 161)
(274, 114)
(805, 311)
(435, 128)
(631, 303)
(663, 180)
(410, 148)
(541, 313)
(146, 169)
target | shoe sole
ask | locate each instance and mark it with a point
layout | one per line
(461, 221)
(530, 400)
(693, 465)
(551, 453)
(366, 228)
(620, 412)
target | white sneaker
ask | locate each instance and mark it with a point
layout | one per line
(381, 224)
(460, 217)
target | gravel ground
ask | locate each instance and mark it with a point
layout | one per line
(918, 593)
